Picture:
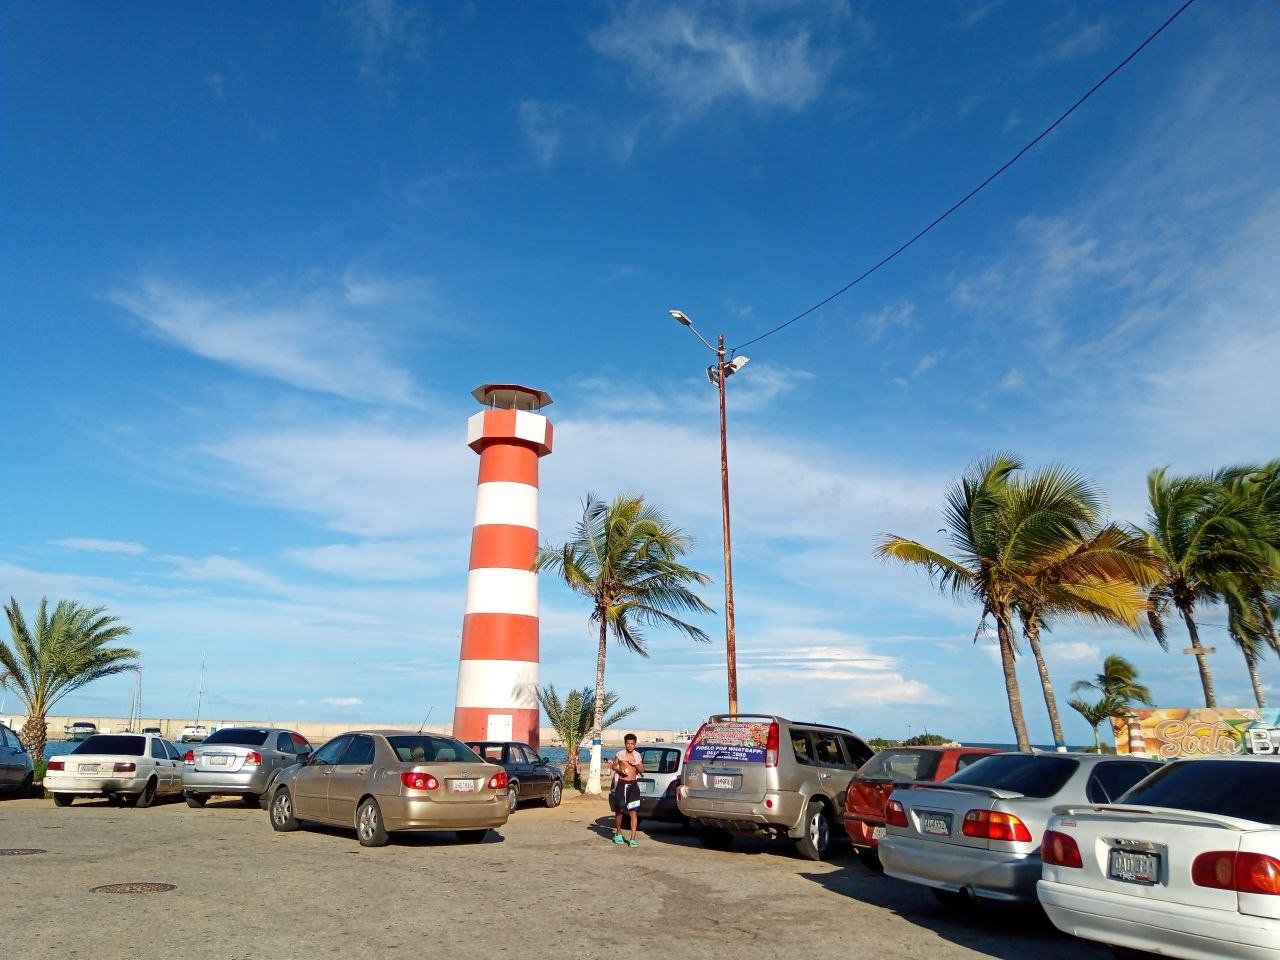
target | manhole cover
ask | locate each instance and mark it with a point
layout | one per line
(133, 888)
(20, 851)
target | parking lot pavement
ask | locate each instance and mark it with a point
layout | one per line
(549, 884)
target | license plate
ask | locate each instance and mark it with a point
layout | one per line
(936, 823)
(218, 761)
(877, 833)
(463, 786)
(88, 768)
(723, 783)
(646, 786)
(1131, 866)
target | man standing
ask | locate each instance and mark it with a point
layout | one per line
(625, 792)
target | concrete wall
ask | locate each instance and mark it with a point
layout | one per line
(313, 731)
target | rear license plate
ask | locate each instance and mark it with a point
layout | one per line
(939, 823)
(877, 833)
(1131, 866)
(723, 783)
(88, 768)
(646, 786)
(462, 786)
(218, 761)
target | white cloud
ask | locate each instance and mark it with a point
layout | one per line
(891, 317)
(1073, 652)
(544, 124)
(1013, 380)
(226, 570)
(316, 338)
(1081, 39)
(384, 30)
(343, 701)
(387, 560)
(91, 545)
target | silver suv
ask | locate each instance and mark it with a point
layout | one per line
(757, 774)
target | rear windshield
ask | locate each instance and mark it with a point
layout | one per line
(427, 749)
(113, 743)
(895, 764)
(1245, 789)
(741, 741)
(240, 736)
(660, 760)
(1028, 774)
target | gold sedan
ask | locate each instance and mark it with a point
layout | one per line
(380, 782)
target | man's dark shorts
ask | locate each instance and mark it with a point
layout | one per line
(624, 796)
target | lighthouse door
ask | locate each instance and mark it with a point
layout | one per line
(499, 727)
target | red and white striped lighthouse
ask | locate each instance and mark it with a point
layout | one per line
(498, 670)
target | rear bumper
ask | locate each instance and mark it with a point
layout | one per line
(239, 782)
(862, 832)
(1177, 929)
(993, 874)
(405, 813)
(87, 786)
(774, 813)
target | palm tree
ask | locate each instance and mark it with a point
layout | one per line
(1201, 532)
(1118, 679)
(1095, 713)
(65, 652)
(624, 557)
(572, 720)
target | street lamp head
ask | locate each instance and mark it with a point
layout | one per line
(679, 317)
(734, 365)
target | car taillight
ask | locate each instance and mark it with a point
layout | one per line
(498, 781)
(55, 765)
(771, 747)
(126, 767)
(419, 781)
(688, 751)
(895, 815)
(1060, 850)
(1242, 872)
(190, 757)
(252, 758)
(993, 825)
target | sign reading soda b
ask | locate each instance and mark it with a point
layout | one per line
(1168, 733)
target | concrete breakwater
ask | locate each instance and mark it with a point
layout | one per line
(316, 732)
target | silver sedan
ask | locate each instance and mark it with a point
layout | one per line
(239, 761)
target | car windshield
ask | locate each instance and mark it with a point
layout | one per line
(240, 736)
(111, 743)
(895, 764)
(1028, 774)
(1244, 789)
(427, 749)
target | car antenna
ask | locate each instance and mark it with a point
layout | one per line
(426, 718)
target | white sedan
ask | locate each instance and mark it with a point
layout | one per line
(131, 768)
(1186, 865)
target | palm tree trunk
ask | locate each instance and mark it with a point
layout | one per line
(35, 734)
(1258, 693)
(1031, 631)
(571, 765)
(1005, 633)
(1202, 661)
(593, 778)
(1097, 740)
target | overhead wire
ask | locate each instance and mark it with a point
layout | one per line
(972, 193)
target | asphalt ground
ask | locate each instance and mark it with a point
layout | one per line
(549, 884)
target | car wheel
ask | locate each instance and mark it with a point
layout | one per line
(370, 830)
(951, 899)
(251, 800)
(817, 832)
(63, 799)
(715, 838)
(195, 800)
(555, 795)
(144, 798)
(471, 836)
(513, 797)
(282, 817)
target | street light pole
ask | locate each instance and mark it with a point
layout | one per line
(718, 373)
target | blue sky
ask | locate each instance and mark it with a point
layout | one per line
(257, 255)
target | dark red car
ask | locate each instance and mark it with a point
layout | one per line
(889, 769)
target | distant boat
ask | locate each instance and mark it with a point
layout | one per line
(79, 730)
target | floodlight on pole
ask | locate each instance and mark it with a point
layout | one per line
(718, 373)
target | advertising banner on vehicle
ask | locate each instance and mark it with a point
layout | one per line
(1198, 731)
(735, 740)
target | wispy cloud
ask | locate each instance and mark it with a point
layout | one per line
(544, 124)
(383, 560)
(321, 336)
(384, 30)
(891, 317)
(1074, 39)
(91, 545)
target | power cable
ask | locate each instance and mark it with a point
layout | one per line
(972, 193)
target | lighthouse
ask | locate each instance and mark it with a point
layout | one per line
(498, 667)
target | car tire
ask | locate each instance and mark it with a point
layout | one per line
(144, 798)
(370, 830)
(817, 832)
(471, 836)
(63, 799)
(554, 795)
(951, 899)
(282, 818)
(195, 800)
(251, 800)
(513, 798)
(715, 838)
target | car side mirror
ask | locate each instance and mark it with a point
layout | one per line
(544, 760)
